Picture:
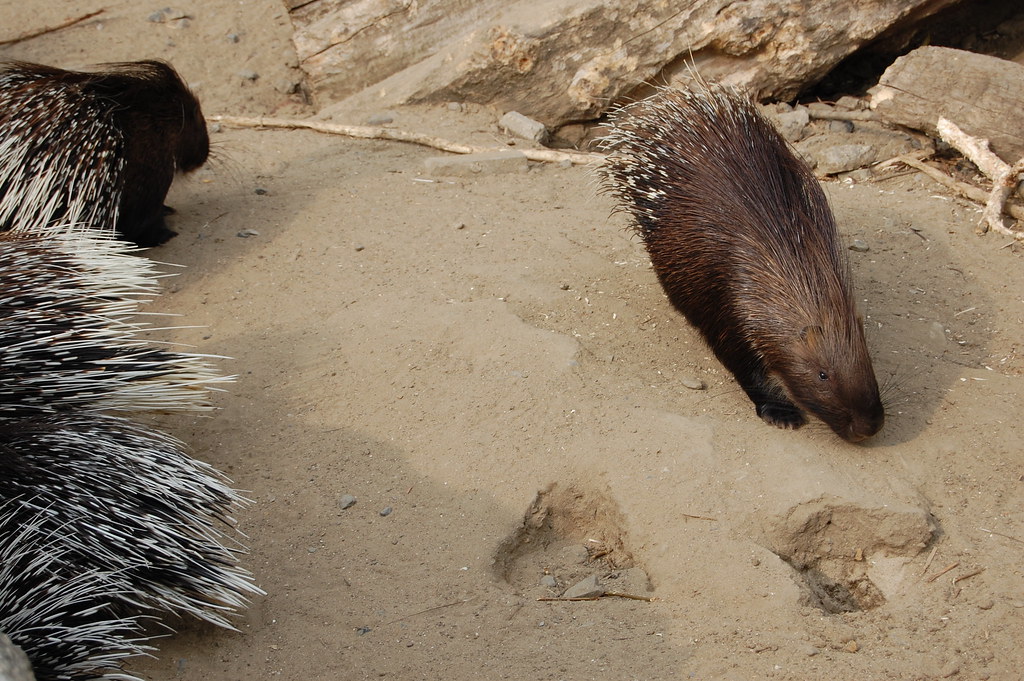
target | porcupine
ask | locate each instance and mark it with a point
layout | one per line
(99, 148)
(745, 245)
(119, 503)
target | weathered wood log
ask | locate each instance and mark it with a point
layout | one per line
(569, 60)
(981, 94)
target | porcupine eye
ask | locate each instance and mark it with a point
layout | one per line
(822, 375)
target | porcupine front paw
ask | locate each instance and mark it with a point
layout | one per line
(781, 413)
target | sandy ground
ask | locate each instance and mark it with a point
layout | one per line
(490, 367)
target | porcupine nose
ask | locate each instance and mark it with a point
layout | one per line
(861, 427)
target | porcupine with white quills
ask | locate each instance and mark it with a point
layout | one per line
(95, 148)
(744, 243)
(124, 519)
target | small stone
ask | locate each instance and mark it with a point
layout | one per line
(287, 86)
(549, 581)
(986, 604)
(454, 106)
(346, 501)
(843, 157)
(851, 647)
(259, 191)
(859, 246)
(840, 127)
(849, 103)
(156, 17)
(360, 247)
(587, 588)
(248, 74)
(692, 383)
(382, 118)
(810, 651)
(519, 125)
(246, 233)
(793, 124)
(459, 225)
(233, 37)
(385, 512)
(564, 287)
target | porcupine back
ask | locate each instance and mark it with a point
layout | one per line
(99, 149)
(69, 338)
(745, 245)
(132, 525)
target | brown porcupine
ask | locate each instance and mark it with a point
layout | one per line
(744, 243)
(102, 520)
(99, 149)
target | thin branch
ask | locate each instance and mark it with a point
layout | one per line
(396, 135)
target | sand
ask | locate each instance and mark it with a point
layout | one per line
(489, 366)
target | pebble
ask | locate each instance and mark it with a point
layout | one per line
(587, 588)
(843, 157)
(810, 651)
(259, 191)
(793, 124)
(849, 103)
(841, 127)
(986, 605)
(693, 383)
(519, 125)
(454, 106)
(386, 511)
(248, 74)
(246, 233)
(233, 37)
(859, 246)
(851, 647)
(360, 247)
(549, 581)
(346, 501)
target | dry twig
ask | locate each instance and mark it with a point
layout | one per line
(1004, 177)
(943, 571)
(606, 594)
(395, 135)
(49, 29)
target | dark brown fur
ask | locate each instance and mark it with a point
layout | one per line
(122, 133)
(744, 243)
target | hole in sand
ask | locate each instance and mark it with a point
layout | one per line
(570, 533)
(838, 586)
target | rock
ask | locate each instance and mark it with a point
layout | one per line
(385, 512)
(842, 157)
(568, 61)
(549, 581)
(849, 103)
(248, 74)
(851, 647)
(468, 165)
(519, 125)
(692, 383)
(977, 92)
(859, 246)
(14, 664)
(346, 501)
(587, 588)
(840, 126)
(793, 124)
